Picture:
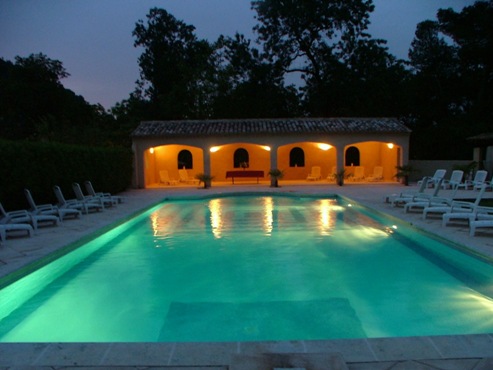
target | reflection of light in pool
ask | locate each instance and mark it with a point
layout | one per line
(268, 216)
(216, 217)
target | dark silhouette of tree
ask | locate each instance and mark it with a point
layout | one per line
(345, 71)
(175, 67)
(451, 60)
(35, 105)
(248, 86)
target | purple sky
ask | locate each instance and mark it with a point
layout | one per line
(93, 38)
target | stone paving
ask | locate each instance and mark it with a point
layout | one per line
(435, 352)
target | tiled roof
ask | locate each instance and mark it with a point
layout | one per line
(269, 126)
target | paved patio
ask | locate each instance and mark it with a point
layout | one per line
(439, 352)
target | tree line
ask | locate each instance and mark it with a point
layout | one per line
(443, 91)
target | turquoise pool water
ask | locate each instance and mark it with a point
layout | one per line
(252, 268)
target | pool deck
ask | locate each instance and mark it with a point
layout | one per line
(434, 352)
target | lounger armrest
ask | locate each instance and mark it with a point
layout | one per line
(459, 204)
(488, 210)
(18, 213)
(46, 207)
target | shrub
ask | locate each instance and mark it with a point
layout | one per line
(40, 166)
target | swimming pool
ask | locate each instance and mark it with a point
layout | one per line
(252, 268)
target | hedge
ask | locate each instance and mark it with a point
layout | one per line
(40, 166)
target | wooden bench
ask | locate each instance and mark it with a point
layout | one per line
(244, 173)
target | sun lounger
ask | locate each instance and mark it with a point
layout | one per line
(477, 213)
(476, 183)
(25, 217)
(185, 178)
(359, 174)
(437, 176)
(102, 201)
(4, 228)
(456, 206)
(315, 174)
(90, 190)
(405, 197)
(49, 209)
(454, 181)
(83, 206)
(480, 224)
(377, 174)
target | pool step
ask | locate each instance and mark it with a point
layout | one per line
(289, 361)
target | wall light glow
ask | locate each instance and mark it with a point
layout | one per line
(324, 146)
(390, 145)
(265, 147)
(214, 149)
(151, 150)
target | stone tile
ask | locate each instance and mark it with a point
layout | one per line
(451, 346)
(480, 345)
(272, 347)
(453, 364)
(353, 350)
(407, 348)
(143, 354)
(371, 365)
(194, 354)
(12, 354)
(484, 364)
(412, 365)
(319, 361)
(72, 354)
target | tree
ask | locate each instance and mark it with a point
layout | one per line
(346, 72)
(175, 67)
(451, 59)
(248, 86)
(472, 32)
(300, 35)
(35, 105)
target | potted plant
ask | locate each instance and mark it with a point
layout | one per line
(204, 178)
(275, 174)
(339, 177)
(403, 173)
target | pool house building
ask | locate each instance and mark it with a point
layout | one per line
(223, 148)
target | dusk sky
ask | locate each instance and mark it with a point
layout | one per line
(93, 38)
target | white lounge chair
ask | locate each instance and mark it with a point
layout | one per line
(480, 224)
(454, 181)
(404, 197)
(315, 174)
(4, 228)
(102, 201)
(165, 179)
(456, 206)
(63, 203)
(359, 173)
(419, 203)
(468, 213)
(377, 174)
(90, 190)
(479, 179)
(433, 181)
(184, 177)
(24, 217)
(333, 175)
(49, 209)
